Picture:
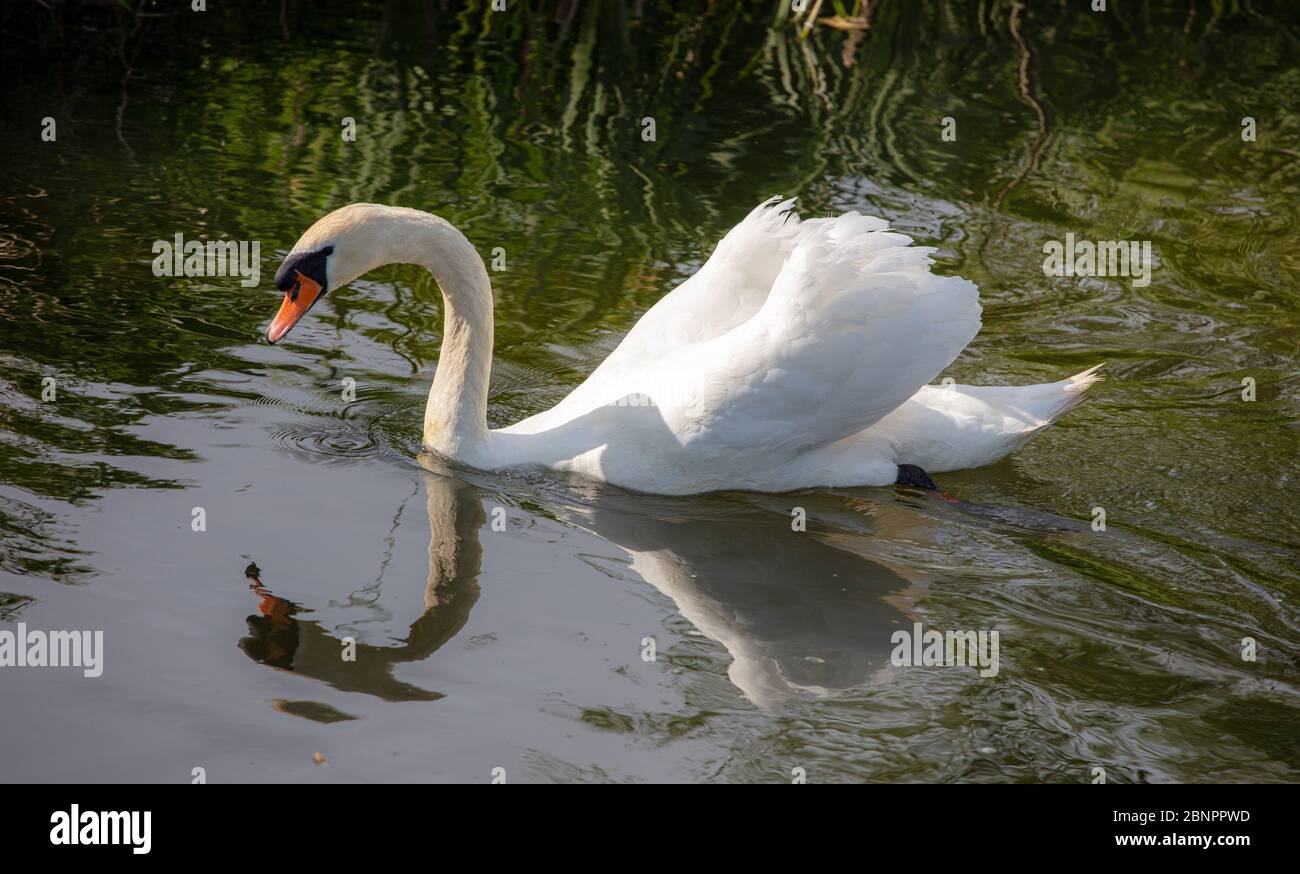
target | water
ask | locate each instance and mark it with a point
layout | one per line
(521, 648)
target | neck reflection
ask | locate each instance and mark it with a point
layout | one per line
(281, 637)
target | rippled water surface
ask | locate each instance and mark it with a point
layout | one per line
(519, 644)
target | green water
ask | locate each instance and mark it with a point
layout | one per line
(522, 648)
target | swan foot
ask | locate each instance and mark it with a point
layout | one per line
(913, 475)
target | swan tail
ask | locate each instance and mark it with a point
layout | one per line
(1074, 389)
(1027, 410)
(957, 427)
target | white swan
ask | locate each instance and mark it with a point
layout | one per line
(796, 357)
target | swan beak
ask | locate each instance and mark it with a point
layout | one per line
(297, 300)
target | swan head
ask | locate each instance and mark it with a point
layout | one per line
(332, 253)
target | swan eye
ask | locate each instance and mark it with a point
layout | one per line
(309, 264)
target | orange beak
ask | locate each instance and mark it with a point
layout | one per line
(297, 300)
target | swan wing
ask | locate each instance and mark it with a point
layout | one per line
(854, 325)
(728, 290)
(725, 292)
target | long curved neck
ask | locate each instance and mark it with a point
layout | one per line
(455, 418)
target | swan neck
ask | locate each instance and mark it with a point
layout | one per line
(455, 418)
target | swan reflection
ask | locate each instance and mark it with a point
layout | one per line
(801, 614)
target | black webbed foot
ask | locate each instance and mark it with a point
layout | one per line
(911, 475)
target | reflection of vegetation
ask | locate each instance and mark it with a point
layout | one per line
(32, 542)
(528, 124)
(12, 605)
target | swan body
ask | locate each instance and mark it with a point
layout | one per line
(798, 356)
